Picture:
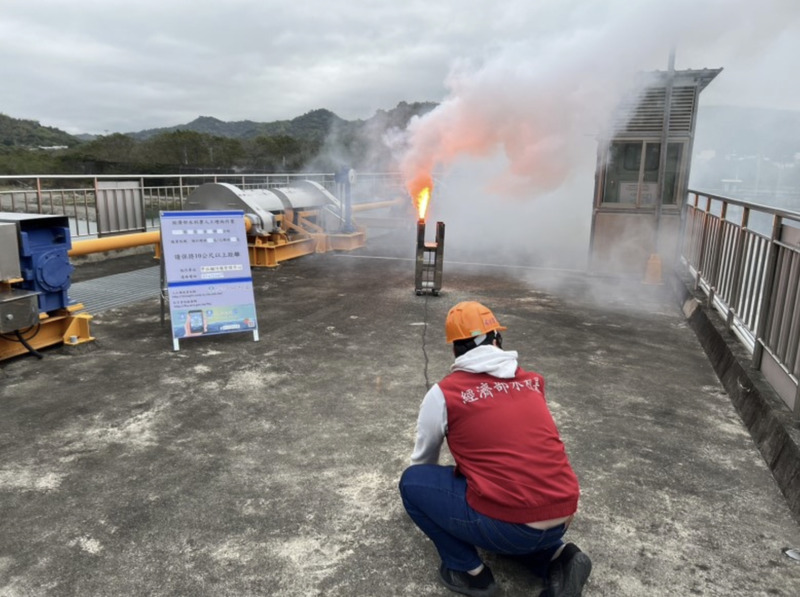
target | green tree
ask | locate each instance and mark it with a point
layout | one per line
(111, 148)
(28, 161)
(278, 153)
(189, 149)
(226, 153)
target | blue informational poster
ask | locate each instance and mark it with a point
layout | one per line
(207, 269)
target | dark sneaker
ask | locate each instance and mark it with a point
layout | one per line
(568, 572)
(480, 585)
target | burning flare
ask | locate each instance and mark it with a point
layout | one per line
(420, 191)
(422, 200)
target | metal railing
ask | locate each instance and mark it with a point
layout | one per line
(745, 257)
(76, 196)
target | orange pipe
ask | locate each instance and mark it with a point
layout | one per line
(123, 241)
(114, 243)
(378, 204)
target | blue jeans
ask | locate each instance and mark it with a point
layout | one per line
(436, 501)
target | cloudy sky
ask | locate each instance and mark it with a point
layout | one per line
(97, 66)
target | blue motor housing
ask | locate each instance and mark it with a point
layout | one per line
(44, 243)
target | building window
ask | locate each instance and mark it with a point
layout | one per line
(631, 174)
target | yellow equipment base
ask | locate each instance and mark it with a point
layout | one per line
(64, 326)
(270, 253)
(347, 242)
(280, 247)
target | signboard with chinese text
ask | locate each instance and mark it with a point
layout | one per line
(628, 190)
(207, 270)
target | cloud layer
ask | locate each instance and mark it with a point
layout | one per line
(95, 66)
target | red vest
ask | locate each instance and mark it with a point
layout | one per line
(505, 442)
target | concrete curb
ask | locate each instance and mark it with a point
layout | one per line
(767, 418)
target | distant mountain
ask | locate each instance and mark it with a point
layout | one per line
(319, 140)
(309, 125)
(400, 115)
(314, 125)
(725, 130)
(748, 132)
(748, 153)
(15, 132)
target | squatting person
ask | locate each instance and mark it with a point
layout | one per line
(512, 490)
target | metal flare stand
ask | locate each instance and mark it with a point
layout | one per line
(428, 275)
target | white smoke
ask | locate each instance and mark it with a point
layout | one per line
(512, 146)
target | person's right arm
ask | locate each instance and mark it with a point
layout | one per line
(431, 427)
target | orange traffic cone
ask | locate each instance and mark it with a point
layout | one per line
(652, 274)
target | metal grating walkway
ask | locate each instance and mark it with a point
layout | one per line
(117, 290)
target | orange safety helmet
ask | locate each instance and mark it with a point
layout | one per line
(469, 319)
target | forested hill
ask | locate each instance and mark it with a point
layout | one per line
(312, 125)
(318, 139)
(729, 143)
(15, 132)
(720, 128)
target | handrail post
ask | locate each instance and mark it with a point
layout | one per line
(39, 194)
(96, 191)
(144, 202)
(796, 410)
(766, 294)
(740, 242)
(737, 267)
(680, 246)
(703, 234)
(716, 258)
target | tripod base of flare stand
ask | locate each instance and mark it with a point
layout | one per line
(428, 275)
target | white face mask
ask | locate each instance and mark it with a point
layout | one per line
(478, 340)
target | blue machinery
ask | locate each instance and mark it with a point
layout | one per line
(35, 276)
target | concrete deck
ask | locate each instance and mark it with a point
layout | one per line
(240, 468)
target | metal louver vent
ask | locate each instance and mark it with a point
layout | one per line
(645, 114)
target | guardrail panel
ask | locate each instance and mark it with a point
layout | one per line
(751, 277)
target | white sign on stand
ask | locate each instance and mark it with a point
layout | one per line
(207, 270)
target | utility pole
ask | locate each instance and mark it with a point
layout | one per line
(662, 156)
(653, 272)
